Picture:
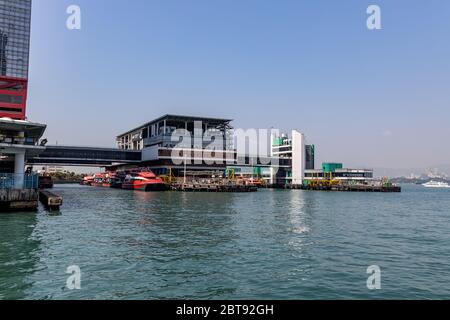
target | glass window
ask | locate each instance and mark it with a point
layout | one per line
(15, 17)
(7, 98)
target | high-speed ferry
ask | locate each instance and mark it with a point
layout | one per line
(144, 181)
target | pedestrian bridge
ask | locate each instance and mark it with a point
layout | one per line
(85, 156)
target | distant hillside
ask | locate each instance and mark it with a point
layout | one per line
(440, 170)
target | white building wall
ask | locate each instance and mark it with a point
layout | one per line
(298, 157)
(150, 153)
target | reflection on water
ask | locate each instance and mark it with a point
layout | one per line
(265, 245)
(297, 213)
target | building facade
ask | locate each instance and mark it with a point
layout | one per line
(19, 138)
(162, 150)
(18, 141)
(294, 157)
(333, 172)
(15, 25)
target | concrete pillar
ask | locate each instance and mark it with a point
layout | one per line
(19, 170)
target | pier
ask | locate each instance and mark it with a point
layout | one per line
(197, 187)
(208, 181)
(340, 188)
(51, 201)
(18, 200)
(355, 188)
(18, 192)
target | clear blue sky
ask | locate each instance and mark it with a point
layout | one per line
(367, 98)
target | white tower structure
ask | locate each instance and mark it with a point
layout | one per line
(298, 157)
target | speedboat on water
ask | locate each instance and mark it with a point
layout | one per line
(436, 184)
(144, 181)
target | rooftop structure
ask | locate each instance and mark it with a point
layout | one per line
(157, 142)
(159, 131)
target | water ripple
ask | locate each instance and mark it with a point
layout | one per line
(266, 245)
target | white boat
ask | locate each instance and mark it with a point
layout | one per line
(436, 184)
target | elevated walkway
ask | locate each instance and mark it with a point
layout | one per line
(85, 156)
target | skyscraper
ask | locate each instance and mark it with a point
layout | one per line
(15, 23)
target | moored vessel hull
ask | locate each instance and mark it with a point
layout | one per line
(147, 187)
(156, 187)
(116, 184)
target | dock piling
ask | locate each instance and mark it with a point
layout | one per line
(51, 201)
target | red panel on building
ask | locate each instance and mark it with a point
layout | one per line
(13, 98)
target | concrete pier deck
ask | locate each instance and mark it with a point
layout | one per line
(340, 188)
(195, 187)
(357, 188)
(18, 200)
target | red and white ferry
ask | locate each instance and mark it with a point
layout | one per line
(144, 181)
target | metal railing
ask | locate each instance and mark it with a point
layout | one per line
(18, 181)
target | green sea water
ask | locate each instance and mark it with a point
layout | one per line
(265, 245)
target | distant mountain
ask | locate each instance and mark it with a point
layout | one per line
(394, 173)
(440, 171)
(445, 168)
